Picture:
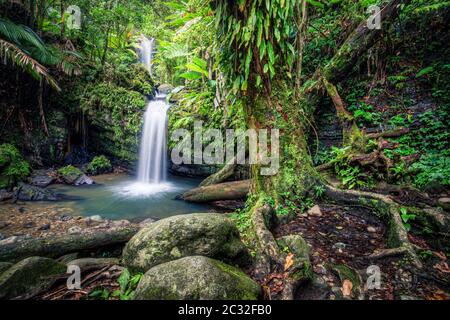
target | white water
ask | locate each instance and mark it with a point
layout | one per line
(152, 167)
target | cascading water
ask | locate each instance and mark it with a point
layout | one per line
(153, 152)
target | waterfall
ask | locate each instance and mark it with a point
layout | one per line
(153, 150)
(147, 49)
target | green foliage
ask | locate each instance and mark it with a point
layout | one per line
(13, 168)
(406, 218)
(128, 284)
(431, 169)
(70, 171)
(98, 165)
(365, 114)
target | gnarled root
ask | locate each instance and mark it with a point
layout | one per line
(224, 191)
(222, 175)
(273, 261)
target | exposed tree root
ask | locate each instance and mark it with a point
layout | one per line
(220, 176)
(386, 209)
(272, 259)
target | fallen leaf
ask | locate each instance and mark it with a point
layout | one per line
(438, 295)
(442, 266)
(289, 261)
(347, 287)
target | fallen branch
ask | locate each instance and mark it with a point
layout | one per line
(57, 246)
(395, 133)
(220, 176)
(224, 191)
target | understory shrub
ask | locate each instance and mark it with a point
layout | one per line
(13, 168)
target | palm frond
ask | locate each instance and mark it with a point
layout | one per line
(16, 56)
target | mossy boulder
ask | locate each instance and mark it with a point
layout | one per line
(73, 176)
(25, 192)
(29, 276)
(196, 278)
(206, 234)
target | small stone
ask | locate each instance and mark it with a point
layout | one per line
(65, 218)
(75, 229)
(371, 229)
(315, 211)
(45, 227)
(28, 225)
(96, 218)
(9, 240)
(339, 246)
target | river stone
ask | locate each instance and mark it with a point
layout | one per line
(26, 192)
(196, 278)
(28, 277)
(76, 177)
(5, 195)
(42, 178)
(165, 88)
(93, 263)
(207, 234)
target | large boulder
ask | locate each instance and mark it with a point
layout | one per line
(196, 278)
(26, 192)
(206, 234)
(28, 277)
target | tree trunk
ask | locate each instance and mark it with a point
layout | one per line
(224, 191)
(57, 246)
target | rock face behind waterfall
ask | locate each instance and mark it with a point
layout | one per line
(196, 278)
(206, 234)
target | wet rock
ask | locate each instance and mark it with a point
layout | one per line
(26, 192)
(146, 222)
(196, 278)
(95, 218)
(193, 170)
(315, 211)
(28, 225)
(5, 195)
(45, 227)
(444, 203)
(93, 263)
(65, 218)
(42, 178)
(165, 88)
(29, 276)
(74, 176)
(207, 234)
(75, 229)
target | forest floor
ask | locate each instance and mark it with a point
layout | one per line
(345, 237)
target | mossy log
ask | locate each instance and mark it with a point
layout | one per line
(53, 247)
(224, 191)
(222, 175)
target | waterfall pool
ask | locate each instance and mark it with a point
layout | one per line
(122, 197)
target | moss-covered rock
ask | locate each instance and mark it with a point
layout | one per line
(5, 266)
(207, 234)
(74, 176)
(29, 276)
(196, 278)
(25, 192)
